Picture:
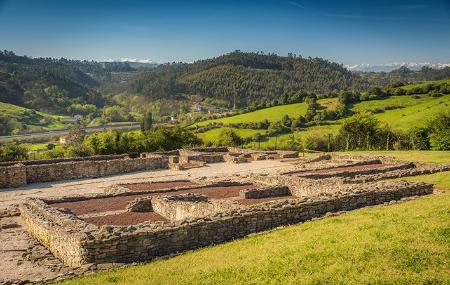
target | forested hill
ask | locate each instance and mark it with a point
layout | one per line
(246, 78)
(236, 78)
(52, 85)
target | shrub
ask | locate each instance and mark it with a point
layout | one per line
(439, 132)
(13, 151)
(418, 138)
(315, 142)
(228, 137)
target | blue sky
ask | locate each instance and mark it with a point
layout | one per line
(348, 32)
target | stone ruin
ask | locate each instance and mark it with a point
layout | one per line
(15, 174)
(141, 221)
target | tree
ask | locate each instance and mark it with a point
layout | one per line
(147, 122)
(76, 135)
(360, 131)
(286, 121)
(13, 151)
(228, 137)
(439, 132)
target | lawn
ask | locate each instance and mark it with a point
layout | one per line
(404, 243)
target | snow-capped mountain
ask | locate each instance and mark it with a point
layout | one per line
(392, 66)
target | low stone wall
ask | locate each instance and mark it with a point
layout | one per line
(18, 175)
(61, 233)
(143, 204)
(70, 159)
(89, 169)
(77, 243)
(418, 170)
(13, 176)
(188, 206)
(264, 193)
(353, 173)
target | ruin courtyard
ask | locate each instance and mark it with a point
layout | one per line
(67, 217)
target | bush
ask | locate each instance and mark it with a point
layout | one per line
(418, 138)
(439, 132)
(13, 151)
(228, 137)
(315, 142)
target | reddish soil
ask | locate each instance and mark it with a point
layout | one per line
(125, 219)
(220, 192)
(249, 202)
(158, 185)
(120, 202)
(343, 168)
(98, 205)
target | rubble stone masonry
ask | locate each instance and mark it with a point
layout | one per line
(75, 242)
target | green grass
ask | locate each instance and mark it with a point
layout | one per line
(406, 243)
(21, 114)
(285, 141)
(272, 114)
(423, 84)
(412, 114)
(213, 134)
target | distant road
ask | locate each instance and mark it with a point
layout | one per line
(66, 131)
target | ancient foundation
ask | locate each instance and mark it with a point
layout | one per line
(14, 174)
(142, 221)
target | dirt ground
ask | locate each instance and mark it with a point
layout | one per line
(24, 260)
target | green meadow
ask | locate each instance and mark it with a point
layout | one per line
(398, 112)
(29, 117)
(271, 114)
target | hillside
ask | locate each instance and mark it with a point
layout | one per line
(400, 113)
(245, 79)
(53, 85)
(20, 118)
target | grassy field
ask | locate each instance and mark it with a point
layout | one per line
(272, 114)
(420, 85)
(21, 114)
(405, 243)
(412, 112)
(213, 134)
(415, 115)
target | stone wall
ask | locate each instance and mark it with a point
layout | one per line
(61, 233)
(143, 204)
(188, 206)
(353, 173)
(18, 175)
(76, 243)
(264, 193)
(13, 176)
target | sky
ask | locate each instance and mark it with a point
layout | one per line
(348, 32)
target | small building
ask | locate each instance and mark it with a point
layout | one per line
(198, 108)
(63, 139)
